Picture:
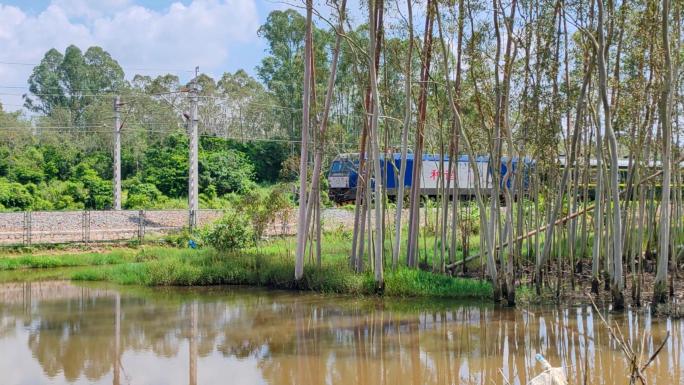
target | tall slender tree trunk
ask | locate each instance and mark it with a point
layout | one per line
(375, 16)
(404, 140)
(486, 240)
(356, 257)
(314, 193)
(414, 212)
(304, 152)
(618, 281)
(508, 179)
(570, 161)
(598, 210)
(660, 294)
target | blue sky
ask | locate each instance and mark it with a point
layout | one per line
(145, 36)
(246, 54)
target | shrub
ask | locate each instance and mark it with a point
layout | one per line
(182, 238)
(470, 218)
(26, 166)
(99, 191)
(289, 170)
(60, 195)
(142, 195)
(263, 206)
(225, 171)
(232, 232)
(14, 195)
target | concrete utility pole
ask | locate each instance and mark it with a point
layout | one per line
(193, 190)
(117, 153)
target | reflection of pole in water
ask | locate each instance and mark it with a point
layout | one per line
(414, 347)
(193, 343)
(27, 297)
(302, 373)
(117, 340)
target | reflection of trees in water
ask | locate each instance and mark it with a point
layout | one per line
(318, 343)
(7, 326)
(299, 339)
(77, 336)
(66, 339)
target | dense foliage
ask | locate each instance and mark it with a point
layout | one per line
(232, 232)
(42, 174)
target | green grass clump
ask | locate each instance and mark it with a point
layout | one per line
(66, 260)
(171, 272)
(207, 267)
(90, 275)
(417, 283)
(527, 294)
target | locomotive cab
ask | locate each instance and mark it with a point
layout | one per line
(342, 178)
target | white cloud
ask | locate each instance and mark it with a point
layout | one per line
(208, 33)
(90, 9)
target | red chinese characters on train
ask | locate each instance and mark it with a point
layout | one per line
(434, 174)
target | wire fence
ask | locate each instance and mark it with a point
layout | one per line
(54, 227)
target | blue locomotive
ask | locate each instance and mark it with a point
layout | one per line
(343, 175)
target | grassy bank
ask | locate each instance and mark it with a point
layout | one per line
(175, 267)
(271, 265)
(67, 259)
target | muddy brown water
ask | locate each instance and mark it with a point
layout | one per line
(63, 333)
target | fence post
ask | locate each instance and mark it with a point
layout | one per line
(85, 226)
(27, 228)
(192, 220)
(141, 225)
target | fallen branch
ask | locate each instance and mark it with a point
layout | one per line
(529, 234)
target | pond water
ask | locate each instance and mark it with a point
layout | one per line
(63, 333)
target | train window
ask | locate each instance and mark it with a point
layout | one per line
(623, 176)
(336, 166)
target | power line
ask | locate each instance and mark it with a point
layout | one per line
(101, 94)
(226, 98)
(142, 95)
(104, 130)
(17, 63)
(107, 93)
(52, 127)
(109, 131)
(123, 67)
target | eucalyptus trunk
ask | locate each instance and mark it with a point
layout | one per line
(660, 294)
(404, 140)
(304, 153)
(375, 17)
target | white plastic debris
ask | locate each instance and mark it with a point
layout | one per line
(550, 375)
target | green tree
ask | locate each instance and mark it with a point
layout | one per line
(14, 195)
(227, 171)
(250, 107)
(142, 195)
(166, 166)
(72, 81)
(283, 70)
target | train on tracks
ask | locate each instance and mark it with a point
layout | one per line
(343, 177)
